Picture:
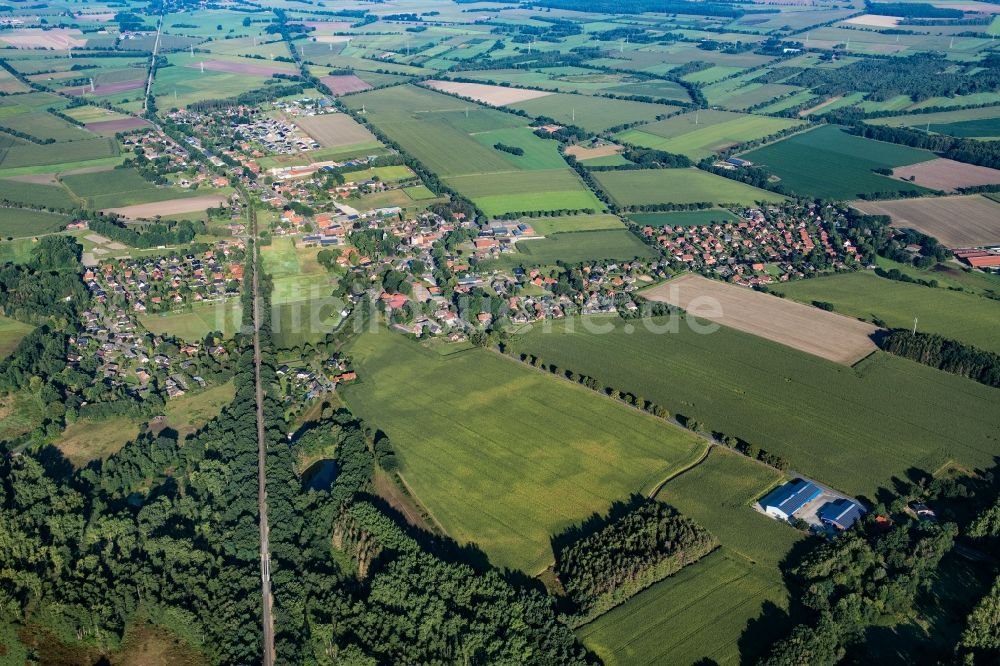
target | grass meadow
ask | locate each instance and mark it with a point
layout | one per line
(21, 223)
(594, 114)
(616, 244)
(197, 321)
(853, 427)
(118, 188)
(965, 317)
(34, 194)
(455, 139)
(705, 132)
(11, 333)
(566, 223)
(828, 162)
(502, 455)
(684, 218)
(683, 186)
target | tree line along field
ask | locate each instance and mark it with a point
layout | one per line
(855, 428)
(712, 609)
(961, 316)
(830, 163)
(456, 139)
(678, 186)
(504, 456)
(705, 132)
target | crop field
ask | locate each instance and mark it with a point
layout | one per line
(545, 455)
(839, 165)
(487, 94)
(11, 333)
(960, 221)
(179, 86)
(947, 175)
(198, 321)
(684, 218)
(706, 609)
(118, 188)
(539, 155)
(335, 130)
(44, 125)
(965, 317)
(518, 191)
(616, 244)
(594, 114)
(387, 174)
(852, 427)
(54, 154)
(827, 335)
(554, 225)
(654, 186)
(34, 194)
(704, 132)
(699, 613)
(167, 207)
(19, 223)
(986, 128)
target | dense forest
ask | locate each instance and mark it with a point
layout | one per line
(646, 544)
(920, 76)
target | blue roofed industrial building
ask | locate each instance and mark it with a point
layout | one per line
(841, 513)
(786, 501)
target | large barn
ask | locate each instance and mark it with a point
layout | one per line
(841, 513)
(784, 502)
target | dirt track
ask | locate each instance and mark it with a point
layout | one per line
(831, 336)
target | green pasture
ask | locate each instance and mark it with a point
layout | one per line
(502, 455)
(684, 218)
(679, 186)
(961, 316)
(614, 244)
(36, 194)
(594, 114)
(118, 188)
(554, 225)
(705, 132)
(854, 428)
(831, 163)
(195, 322)
(19, 222)
(517, 191)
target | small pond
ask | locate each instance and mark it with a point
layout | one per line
(320, 475)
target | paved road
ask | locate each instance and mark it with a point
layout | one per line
(265, 548)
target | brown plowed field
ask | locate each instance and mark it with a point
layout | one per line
(831, 336)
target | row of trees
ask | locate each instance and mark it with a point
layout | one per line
(944, 354)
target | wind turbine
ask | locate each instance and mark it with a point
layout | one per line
(202, 63)
(91, 85)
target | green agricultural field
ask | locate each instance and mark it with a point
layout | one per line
(684, 218)
(34, 194)
(680, 186)
(387, 174)
(44, 125)
(197, 321)
(303, 308)
(705, 132)
(519, 191)
(854, 428)
(554, 225)
(965, 317)
(502, 455)
(829, 162)
(986, 128)
(455, 139)
(57, 155)
(705, 611)
(616, 244)
(594, 114)
(120, 187)
(11, 332)
(20, 223)
(419, 193)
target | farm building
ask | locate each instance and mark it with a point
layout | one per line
(841, 513)
(784, 502)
